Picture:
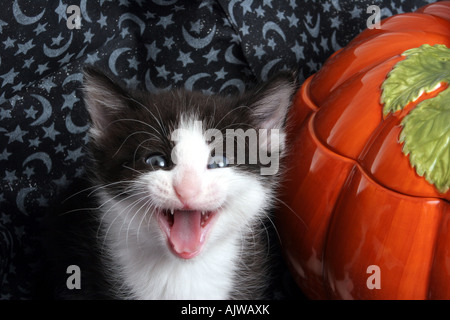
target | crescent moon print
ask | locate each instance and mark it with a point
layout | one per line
(46, 110)
(78, 77)
(230, 58)
(84, 13)
(113, 59)
(22, 18)
(189, 85)
(21, 198)
(265, 71)
(316, 29)
(273, 26)
(198, 43)
(42, 156)
(134, 18)
(74, 129)
(238, 83)
(52, 53)
(151, 87)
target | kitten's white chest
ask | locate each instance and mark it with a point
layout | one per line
(161, 275)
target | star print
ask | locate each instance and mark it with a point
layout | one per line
(293, 4)
(34, 142)
(308, 18)
(5, 155)
(92, 58)
(293, 20)
(28, 62)
(124, 33)
(132, 83)
(280, 15)
(8, 78)
(246, 6)
(185, 58)
(211, 56)
(271, 43)
(260, 12)
(28, 172)
(133, 63)
(356, 12)
(5, 114)
(324, 44)
(335, 22)
(162, 72)
(244, 29)
(177, 77)
(4, 218)
(259, 51)
(298, 51)
(18, 87)
(66, 59)
(16, 135)
(74, 154)
(69, 100)
(10, 176)
(50, 132)
(326, 6)
(43, 202)
(42, 68)
(88, 36)
(47, 84)
(165, 21)
(148, 15)
(40, 28)
(59, 148)
(61, 182)
(9, 43)
(268, 3)
(152, 51)
(221, 74)
(312, 65)
(57, 40)
(102, 21)
(61, 11)
(196, 26)
(179, 8)
(168, 42)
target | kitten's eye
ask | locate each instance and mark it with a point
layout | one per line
(217, 162)
(156, 161)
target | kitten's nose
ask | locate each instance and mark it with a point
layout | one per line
(187, 188)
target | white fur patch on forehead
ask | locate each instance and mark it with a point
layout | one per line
(190, 148)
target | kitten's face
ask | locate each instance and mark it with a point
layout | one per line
(164, 182)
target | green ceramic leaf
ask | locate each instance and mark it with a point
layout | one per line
(426, 137)
(426, 129)
(422, 70)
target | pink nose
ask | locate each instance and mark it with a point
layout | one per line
(187, 188)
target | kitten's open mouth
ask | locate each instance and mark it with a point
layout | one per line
(186, 230)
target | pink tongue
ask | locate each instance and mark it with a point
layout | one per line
(186, 233)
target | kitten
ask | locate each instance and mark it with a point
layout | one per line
(182, 192)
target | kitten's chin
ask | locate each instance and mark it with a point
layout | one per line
(186, 230)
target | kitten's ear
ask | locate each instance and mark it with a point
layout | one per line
(271, 101)
(103, 98)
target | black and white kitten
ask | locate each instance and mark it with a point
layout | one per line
(180, 220)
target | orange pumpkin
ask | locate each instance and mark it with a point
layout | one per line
(362, 219)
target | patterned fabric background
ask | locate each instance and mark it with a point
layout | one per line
(211, 45)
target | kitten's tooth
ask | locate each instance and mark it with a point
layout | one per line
(171, 211)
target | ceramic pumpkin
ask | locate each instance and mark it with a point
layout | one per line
(366, 211)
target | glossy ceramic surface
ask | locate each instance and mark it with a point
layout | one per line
(352, 199)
